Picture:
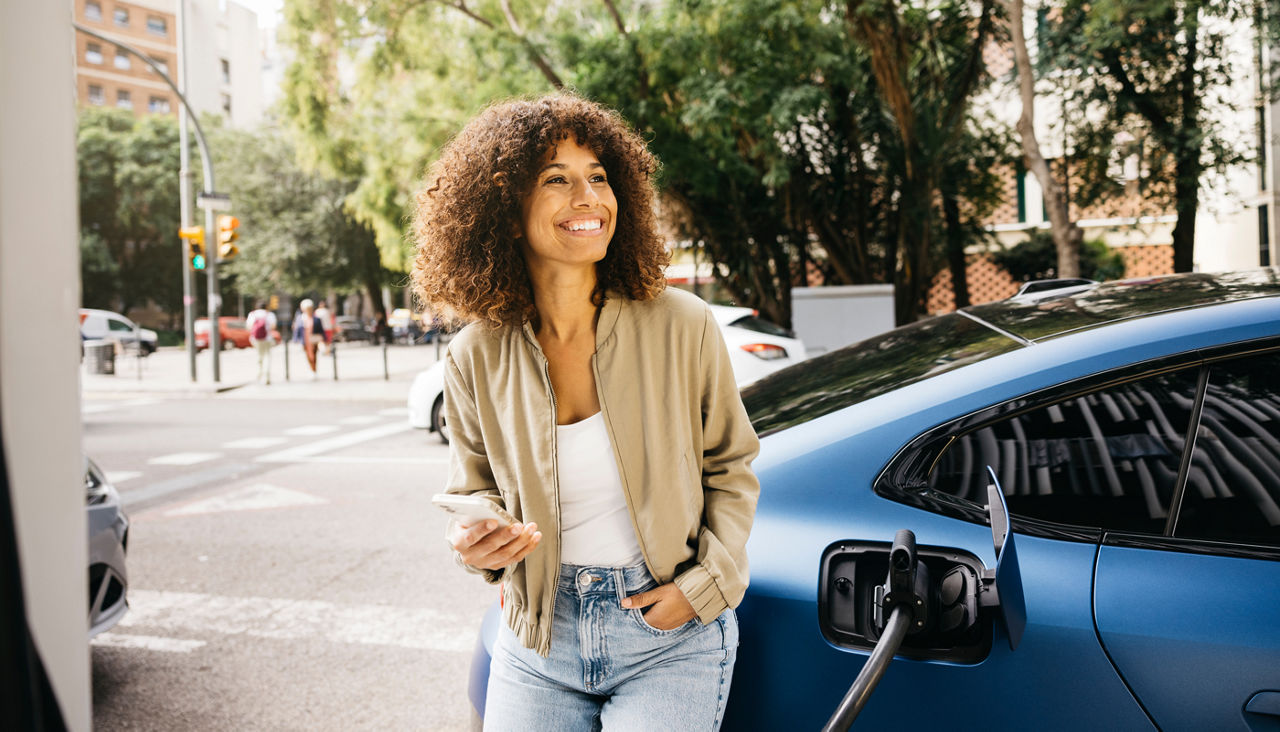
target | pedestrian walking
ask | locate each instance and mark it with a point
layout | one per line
(326, 320)
(599, 408)
(262, 326)
(311, 330)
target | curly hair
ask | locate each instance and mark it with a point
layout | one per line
(469, 265)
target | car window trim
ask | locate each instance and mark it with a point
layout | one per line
(896, 482)
(1188, 451)
(1186, 545)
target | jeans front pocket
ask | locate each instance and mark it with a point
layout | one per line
(638, 615)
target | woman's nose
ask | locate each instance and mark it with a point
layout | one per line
(584, 194)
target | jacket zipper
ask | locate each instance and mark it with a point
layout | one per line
(555, 484)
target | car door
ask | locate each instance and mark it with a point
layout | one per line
(1192, 620)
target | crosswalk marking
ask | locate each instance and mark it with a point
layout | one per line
(254, 443)
(288, 619)
(292, 454)
(147, 642)
(361, 419)
(312, 430)
(248, 498)
(394, 412)
(184, 458)
(116, 477)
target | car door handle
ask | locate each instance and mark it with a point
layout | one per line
(1264, 702)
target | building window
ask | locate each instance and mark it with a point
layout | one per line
(121, 17)
(122, 60)
(157, 26)
(226, 104)
(96, 97)
(226, 72)
(93, 53)
(161, 63)
(124, 99)
(158, 105)
(93, 10)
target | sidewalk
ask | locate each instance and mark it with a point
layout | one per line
(359, 366)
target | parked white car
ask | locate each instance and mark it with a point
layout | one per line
(757, 348)
(104, 325)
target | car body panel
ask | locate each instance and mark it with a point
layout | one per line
(835, 429)
(108, 529)
(747, 366)
(427, 387)
(232, 330)
(105, 325)
(1195, 636)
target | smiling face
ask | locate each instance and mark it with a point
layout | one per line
(569, 215)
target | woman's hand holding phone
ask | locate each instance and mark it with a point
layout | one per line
(488, 545)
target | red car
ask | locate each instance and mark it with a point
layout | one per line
(232, 331)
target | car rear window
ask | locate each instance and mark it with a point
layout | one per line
(760, 325)
(835, 380)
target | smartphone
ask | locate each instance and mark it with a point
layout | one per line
(472, 509)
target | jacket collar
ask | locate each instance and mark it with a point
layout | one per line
(604, 326)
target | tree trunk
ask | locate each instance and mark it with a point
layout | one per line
(956, 260)
(1067, 237)
(1187, 169)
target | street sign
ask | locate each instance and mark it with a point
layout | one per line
(214, 201)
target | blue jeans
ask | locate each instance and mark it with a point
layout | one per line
(608, 669)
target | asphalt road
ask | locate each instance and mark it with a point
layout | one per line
(286, 569)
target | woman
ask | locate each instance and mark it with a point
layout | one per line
(312, 333)
(600, 410)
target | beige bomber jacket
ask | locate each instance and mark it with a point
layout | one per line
(680, 434)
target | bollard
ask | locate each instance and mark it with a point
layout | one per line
(333, 352)
(285, 342)
(137, 343)
(386, 373)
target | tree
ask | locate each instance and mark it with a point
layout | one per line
(296, 234)
(1163, 71)
(128, 174)
(777, 149)
(1037, 258)
(927, 63)
(1067, 236)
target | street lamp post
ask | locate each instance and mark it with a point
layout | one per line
(206, 165)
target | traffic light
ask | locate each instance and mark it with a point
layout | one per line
(194, 237)
(227, 236)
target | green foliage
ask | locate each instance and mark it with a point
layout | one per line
(777, 146)
(1037, 259)
(1152, 81)
(128, 175)
(295, 232)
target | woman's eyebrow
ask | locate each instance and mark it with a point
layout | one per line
(562, 166)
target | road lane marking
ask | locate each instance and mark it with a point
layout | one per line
(254, 443)
(146, 642)
(292, 454)
(286, 619)
(111, 406)
(183, 482)
(369, 460)
(394, 412)
(119, 476)
(312, 430)
(185, 458)
(253, 497)
(361, 419)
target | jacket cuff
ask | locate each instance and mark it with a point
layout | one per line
(700, 589)
(492, 576)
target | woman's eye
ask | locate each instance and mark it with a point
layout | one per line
(598, 179)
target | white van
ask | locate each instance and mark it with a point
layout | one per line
(108, 326)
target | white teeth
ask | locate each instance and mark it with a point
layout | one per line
(584, 226)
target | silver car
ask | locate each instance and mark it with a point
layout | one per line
(108, 541)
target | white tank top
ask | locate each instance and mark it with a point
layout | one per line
(595, 526)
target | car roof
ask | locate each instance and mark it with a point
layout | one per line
(727, 314)
(935, 346)
(1050, 317)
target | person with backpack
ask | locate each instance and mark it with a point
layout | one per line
(262, 323)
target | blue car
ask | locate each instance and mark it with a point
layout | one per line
(1133, 429)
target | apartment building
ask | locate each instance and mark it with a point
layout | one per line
(224, 70)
